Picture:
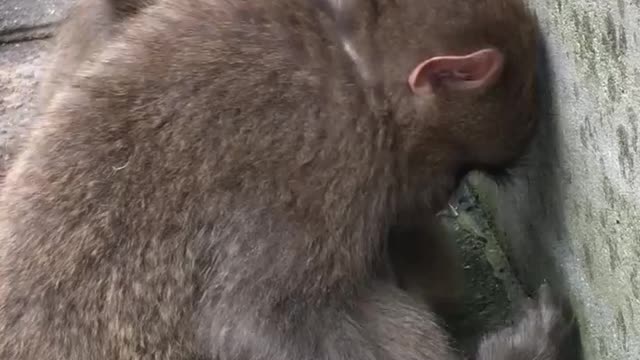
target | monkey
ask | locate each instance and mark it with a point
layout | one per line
(219, 180)
(434, 279)
(86, 29)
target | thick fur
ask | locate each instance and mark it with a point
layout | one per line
(219, 180)
(92, 24)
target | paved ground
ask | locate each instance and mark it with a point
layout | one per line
(22, 24)
(20, 65)
(16, 14)
(491, 287)
(27, 19)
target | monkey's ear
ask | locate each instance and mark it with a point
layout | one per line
(476, 71)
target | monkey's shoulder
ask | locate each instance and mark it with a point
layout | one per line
(204, 49)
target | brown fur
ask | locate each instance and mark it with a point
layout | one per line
(88, 29)
(218, 182)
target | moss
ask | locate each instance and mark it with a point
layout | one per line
(491, 289)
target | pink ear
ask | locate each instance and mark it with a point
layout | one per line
(478, 70)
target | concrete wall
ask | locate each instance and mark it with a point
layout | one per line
(573, 215)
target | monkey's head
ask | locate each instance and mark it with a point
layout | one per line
(472, 83)
(460, 78)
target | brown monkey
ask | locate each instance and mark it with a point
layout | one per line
(427, 269)
(89, 24)
(218, 182)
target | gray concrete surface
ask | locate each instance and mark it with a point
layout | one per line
(573, 215)
(15, 14)
(20, 68)
(29, 19)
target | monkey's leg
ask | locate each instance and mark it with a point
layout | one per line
(539, 335)
(404, 327)
(426, 262)
(382, 323)
(405, 330)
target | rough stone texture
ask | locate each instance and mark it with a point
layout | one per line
(21, 14)
(572, 216)
(20, 68)
(30, 19)
(492, 296)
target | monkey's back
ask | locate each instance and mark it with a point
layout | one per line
(133, 190)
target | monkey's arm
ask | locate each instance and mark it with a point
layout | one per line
(538, 335)
(426, 262)
(404, 327)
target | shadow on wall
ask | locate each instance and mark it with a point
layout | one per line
(544, 217)
(530, 209)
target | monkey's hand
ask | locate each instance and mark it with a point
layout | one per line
(538, 335)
